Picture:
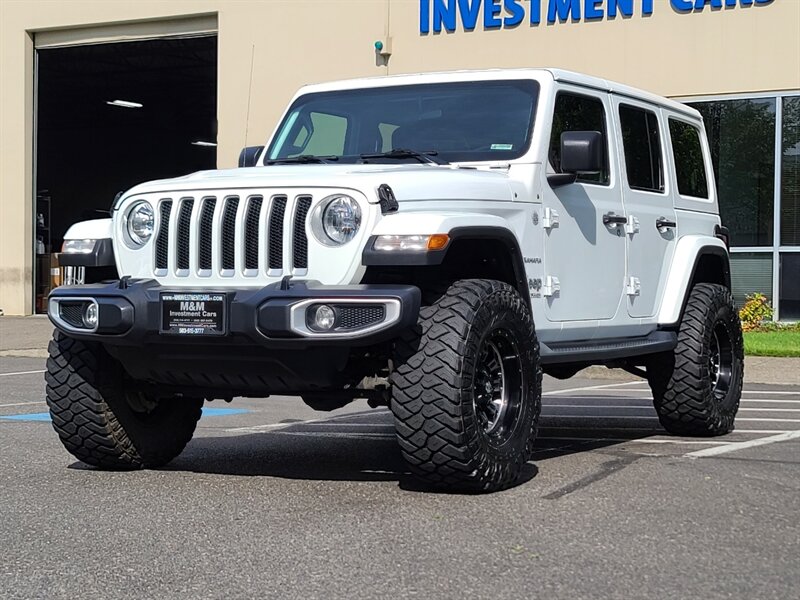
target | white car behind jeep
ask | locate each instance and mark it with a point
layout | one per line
(432, 243)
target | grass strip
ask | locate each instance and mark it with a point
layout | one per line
(772, 343)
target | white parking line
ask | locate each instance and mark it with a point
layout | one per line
(783, 393)
(279, 426)
(771, 409)
(636, 406)
(21, 373)
(770, 401)
(638, 441)
(737, 430)
(590, 387)
(768, 419)
(782, 437)
(647, 417)
(744, 392)
(650, 407)
(22, 403)
(337, 434)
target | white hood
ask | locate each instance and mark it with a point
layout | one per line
(409, 182)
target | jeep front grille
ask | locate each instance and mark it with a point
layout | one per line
(234, 236)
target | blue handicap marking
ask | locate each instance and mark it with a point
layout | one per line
(223, 412)
(207, 412)
(28, 417)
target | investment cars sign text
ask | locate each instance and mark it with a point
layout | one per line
(499, 14)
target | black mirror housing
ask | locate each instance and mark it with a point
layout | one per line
(248, 157)
(581, 152)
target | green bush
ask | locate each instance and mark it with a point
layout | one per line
(756, 312)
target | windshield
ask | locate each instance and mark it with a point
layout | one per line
(456, 122)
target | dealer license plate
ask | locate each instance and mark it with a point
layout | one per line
(192, 314)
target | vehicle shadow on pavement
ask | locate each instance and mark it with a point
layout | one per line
(307, 456)
(356, 449)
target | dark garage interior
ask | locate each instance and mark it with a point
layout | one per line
(110, 116)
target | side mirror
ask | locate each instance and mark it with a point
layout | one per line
(248, 157)
(581, 152)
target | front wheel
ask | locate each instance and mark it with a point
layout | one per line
(466, 388)
(697, 388)
(102, 423)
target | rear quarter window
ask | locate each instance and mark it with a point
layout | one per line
(690, 168)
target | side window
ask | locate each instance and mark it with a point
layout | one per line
(642, 148)
(578, 113)
(689, 166)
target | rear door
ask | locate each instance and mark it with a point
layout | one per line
(651, 229)
(584, 258)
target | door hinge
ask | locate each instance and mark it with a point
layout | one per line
(634, 286)
(632, 226)
(551, 287)
(550, 218)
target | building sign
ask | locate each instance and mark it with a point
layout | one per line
(438, 15)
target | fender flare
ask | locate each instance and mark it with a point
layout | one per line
(678, 286)
(101, 255)
(373, 258)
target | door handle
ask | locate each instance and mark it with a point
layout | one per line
(663, 224)
(614, 220)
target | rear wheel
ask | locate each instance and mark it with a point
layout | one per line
(466, 388)
(104, 424)
(696, 389)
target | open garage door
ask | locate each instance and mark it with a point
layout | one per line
(112, 115)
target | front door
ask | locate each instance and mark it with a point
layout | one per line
(648, 203)
(584, 257)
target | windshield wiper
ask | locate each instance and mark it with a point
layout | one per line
(303, 159)
(401, 153)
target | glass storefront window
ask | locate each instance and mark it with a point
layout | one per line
(789, 305)
(751, 272)
(790, 172)
(741, 134)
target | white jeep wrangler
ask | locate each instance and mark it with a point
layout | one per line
(429, 242)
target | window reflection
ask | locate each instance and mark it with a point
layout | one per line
(790, 174)
(741, 134)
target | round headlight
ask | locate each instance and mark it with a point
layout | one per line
(341, 219)
(140, 222)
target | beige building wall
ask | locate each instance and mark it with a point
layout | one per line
(287, 43)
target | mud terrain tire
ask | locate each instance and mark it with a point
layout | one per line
(466, 388)
(96, 421)
(697, 387)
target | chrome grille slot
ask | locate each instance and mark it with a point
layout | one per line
(205, 234)
(275, 234)
(228, 233)
(251, 226)
(184, 222)
(162, 240)
(299, 239)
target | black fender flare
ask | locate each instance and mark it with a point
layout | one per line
(373, 258)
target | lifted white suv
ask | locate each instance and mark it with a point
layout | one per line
(429, 242)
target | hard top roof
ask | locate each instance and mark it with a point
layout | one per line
(560, 75)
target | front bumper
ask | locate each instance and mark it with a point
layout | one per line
(130, 314)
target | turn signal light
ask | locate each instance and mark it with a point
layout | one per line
(438, 241)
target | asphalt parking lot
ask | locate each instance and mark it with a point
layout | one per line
(274, 500)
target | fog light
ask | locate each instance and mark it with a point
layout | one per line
(323, 318)
(90, 315)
